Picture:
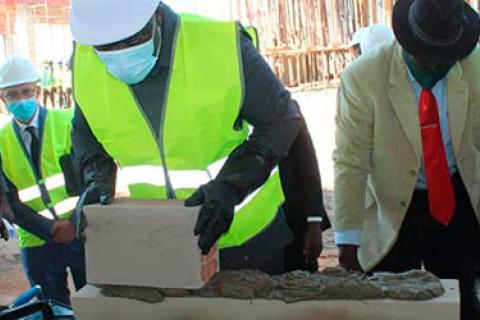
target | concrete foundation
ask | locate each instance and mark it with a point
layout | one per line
(145, 244)
(90, 304)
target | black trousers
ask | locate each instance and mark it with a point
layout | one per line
(448, 252)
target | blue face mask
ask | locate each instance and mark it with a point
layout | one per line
(23, 110)
(130, 65)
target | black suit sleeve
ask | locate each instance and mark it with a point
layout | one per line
(85, 146)
(25, 217)
(268, 106)
(301, 182)
(28, 219)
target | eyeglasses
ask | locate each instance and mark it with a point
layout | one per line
(15, 95)
(140, 37)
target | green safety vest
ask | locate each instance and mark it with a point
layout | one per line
(253, 33)
(205, 94)
(47, 195)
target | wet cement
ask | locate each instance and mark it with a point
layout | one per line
(331, 284)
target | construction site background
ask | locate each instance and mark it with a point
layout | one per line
(305, 41)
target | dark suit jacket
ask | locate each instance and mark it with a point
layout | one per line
(302, 185)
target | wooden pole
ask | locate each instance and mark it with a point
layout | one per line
(373, 11)
(388, 5)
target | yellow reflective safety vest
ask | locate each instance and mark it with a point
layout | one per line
(46, 194)
(203, 101)
(253, 33)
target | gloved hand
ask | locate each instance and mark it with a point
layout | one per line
(100, 177)
(216, 216)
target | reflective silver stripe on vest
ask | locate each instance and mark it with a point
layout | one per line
(47, 214)
(154, 175)
(247, 200)
(188, 179)
(60, 208)
(55, 182)
(180, 179)
(33, 192)
(253, 194)
(148, 174)
(214, 168)
(29, 193)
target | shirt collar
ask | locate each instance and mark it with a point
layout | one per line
(410, 75)
(415, 82)
(34, 123)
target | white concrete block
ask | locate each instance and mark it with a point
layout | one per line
(89, 304)
(145, 244)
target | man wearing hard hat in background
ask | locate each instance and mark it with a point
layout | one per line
(366, 39)
(35, 158)
(169, 98)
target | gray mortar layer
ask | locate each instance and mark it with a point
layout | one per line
(331, 284)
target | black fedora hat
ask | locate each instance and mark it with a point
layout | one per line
(436, 31)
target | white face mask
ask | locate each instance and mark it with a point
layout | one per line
(132, 65)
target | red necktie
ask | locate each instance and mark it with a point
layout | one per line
(439, 184)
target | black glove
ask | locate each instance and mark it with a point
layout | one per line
(100, 177)
(72, 175)
(246, 169)
(216, 216)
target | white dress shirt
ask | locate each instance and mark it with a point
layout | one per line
(26, 137)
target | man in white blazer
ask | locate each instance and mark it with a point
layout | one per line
(407, 157)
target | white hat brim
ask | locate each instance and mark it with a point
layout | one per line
(99, 27)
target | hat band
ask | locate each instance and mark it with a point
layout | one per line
(428, 39)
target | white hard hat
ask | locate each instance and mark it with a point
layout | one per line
(372, 36)
(356, 37)
(17, 70)
(98, 22)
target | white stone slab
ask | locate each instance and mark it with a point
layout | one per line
(145, 244)
(89, 304)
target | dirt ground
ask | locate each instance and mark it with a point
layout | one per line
(12, 280)
(318, 109)
(329, 256)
